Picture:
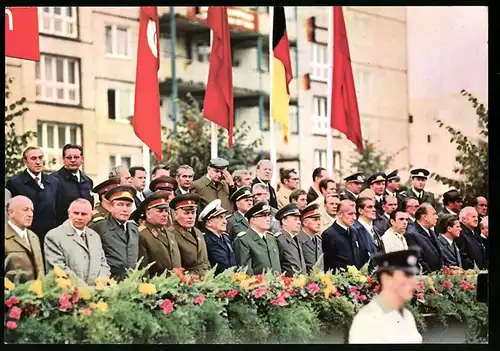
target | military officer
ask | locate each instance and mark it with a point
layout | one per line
(155, 243)
(291, 255)
(376, 182)
(102, 208)
(418, 180)
(310, 236)
(393, 185)
(194, 256)
(237, 222)
(385, 320)
(119, 236)
(220, 251)
(353, 184)
(256, 248)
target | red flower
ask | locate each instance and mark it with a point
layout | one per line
(376, 289)
(369, 281)
(167, 306)
(420, 297)
(232, 293)
(258, 293)
(15, 313)
(11, 325)
(336, 293)
(179, 273)
(222, 294)
(420, 287)
(86, 311)
(465, 285)
(354, 289)
(258, 279)
(76, 295)
(361, 297)
(312, 288)
(64, 303)
(446, 284)
(280, 301)
(11, 301)
(199, 300)
(287, 281)
(447, 270)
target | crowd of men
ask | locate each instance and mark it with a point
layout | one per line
(224, 220)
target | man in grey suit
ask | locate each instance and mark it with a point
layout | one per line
(76, 248)
(310, 236)
(237, 222)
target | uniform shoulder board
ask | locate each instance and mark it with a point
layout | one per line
(277, 234)
(342, 193)
(403, 193)
(240, 234)
(97, 219)
(141, 227)
(269, 233)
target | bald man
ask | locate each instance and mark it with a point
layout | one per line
(21, 243)
(76, 248)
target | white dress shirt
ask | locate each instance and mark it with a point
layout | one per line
(22, 233)
(39, 176)
(394, 241)
(368, 226)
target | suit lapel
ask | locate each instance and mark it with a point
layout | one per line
(17, 238)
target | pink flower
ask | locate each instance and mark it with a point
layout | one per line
(312, 288)
(465, 285)
(86, 311)
(361, 297)
(199, 300)
(222, 294)
(64, 303)
(353, 289)
(280, 301)
(287, 281)
(258, 293)
(369, 281)
(76, 295)
(11, 325)
(420, 297)
(420, 287)
(447, 270)
(11, 301)
(232, 293)
(376, 289)
(446, 284)
(15, 313)
(336, 293)
(167, 306)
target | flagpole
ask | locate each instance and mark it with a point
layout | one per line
(146, 161)
(272, 141)
(213, 126)
(329, 141)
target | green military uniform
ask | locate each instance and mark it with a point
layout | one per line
(353, 178)
(101, 189)
(290, 250)
(99, 213)
(423, 196)
(237, 222)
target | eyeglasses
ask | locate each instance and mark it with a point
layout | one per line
(294, 179)
(370, 206)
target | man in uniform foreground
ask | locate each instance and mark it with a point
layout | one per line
(385, 320)
(290, 250)
(310, 237)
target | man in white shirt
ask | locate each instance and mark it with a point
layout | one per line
(138, 174)
(329, 214)
(393, 238)
(184, 178)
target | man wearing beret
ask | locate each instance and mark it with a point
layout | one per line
(156, 244)
(452, 202)
(376, 182)
(216, 184)
(418, 180)
(310, 236)
(102, 208)
(256, 248)
(237, 222)
(291, 255)
(385, 320)
(119, 236)
(353, 184)
(194, 256)
(220, 251)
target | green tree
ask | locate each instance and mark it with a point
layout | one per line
(191, 144)
(472, 158)
(371, 160)
(14, 144)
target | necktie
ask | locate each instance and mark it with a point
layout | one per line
(457, 253)
(85, 239)
(37, 180)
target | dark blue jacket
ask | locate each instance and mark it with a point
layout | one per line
(431, 256)
(472, 244)
(70, 190)
(220, 251)
(365, 237)
(44, 200)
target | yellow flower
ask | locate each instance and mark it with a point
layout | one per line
(362, 278)
(37, 288)
(325, 278)
(240, 276)
(111, 282)
(245, 284)
(85, 294)
(352, 270)
(101, 306)
(300, 281)
(147, 289)
(59, 272)
(430, 281)
(9, 285)
(64, 283)
(329, 290)
(100, 283)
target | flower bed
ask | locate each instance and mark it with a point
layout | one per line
(229, 308)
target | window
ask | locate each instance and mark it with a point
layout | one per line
(53, 136)
(290, 14)
(202, 52)
(320, 116)
(293, 60)
(293, 121)
(320, 159)
(58, 21)
(319, 62)
(118, 160)
(120, 104)
(364, 29)
(118, 41)
(58, 79)
(165, 44)
(363, 81)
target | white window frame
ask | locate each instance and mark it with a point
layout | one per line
(55, 152)
(290, 14)
(64, 18)
(118, 96)
(42, 84)
(365, 30)
(321, 161)
(320, 115)
(293, 120)
(118, 160)
(319, 69)
(363, 80)
(206, 55)
(114, 43)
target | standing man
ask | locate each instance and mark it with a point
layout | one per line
(184, 177)
(364, 225)
(102, 208)
(237, 222)
(469, 241)
(318, 175)
(328, 216)
(216, 184)
(382, 222)
(192, 246)
(418, 180)
(376, 182)
(242, 178)
(165, 184)
(290, 181)
(481, 205)
(264, 175)
(385, 320)
(123, 173)
(450, 228)
(138, 175)
(393, 185)
(410, 204)
(353, 184)
(120, 237)
(394, 239)
(76, 248)
(291, 255)
(256, 248)
(452, 202)
(156, 244)
(260, 192)
(327, 187)
(483, 226)
(220, 251)
(158, 171)
(74, 184)
(21, 243)
(299, 197)
(40, 188)
(310, 237)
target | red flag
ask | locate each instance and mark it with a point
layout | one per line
(146, 121)
(345, 113)
(218, 105)
(21, 33)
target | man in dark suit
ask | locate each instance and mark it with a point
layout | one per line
(483, 226)
(480, 203)
(452, 202)
(383, 222)
(341, 245)
(318, 175)
(420, 234)
(364, 225)
(353, 184)
(469, 241)
(393, 185)
(450, 228)
(138, 175)
(376, 182)
(74, 184)
(264, 175)
(184, 177)
(418, 180)
(237, 222)
(40, 188)
(410, 205)
(220, 251)
(310, 237)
